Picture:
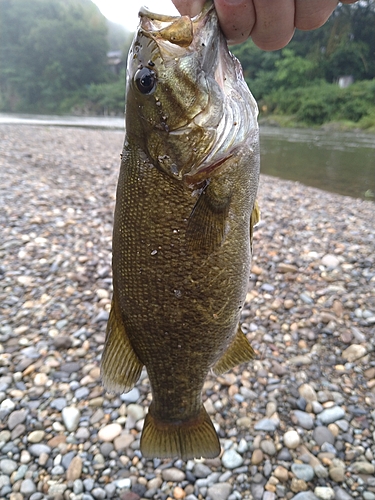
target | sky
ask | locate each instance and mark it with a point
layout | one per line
(125, 12)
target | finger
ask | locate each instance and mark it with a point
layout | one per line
(312, 15)
(189, 7)
(274, 26)
(237, 18)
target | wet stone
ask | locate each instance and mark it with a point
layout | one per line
(231, 459)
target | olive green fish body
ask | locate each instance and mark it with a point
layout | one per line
(181, 256)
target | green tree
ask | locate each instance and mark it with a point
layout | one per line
(49, 49)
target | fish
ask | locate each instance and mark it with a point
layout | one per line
(183, 223)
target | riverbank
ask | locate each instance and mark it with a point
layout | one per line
(298, 422)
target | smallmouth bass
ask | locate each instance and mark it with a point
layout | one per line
(185, 210)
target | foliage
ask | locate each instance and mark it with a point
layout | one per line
(317, 104)
(301, 80)
(49, 49)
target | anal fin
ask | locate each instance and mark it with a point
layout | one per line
(120, 366)
(190, 439)
(239, 351)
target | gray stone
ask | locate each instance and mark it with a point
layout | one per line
(268, 447)
(71, 416)
(266, 424)
(303, 471)
(77, 486)
(81, 393)
(15, 418)
(173, 474)
(28, 487)
(131, 396)
(322, 435)
(341, 494)
(231, 459)
(330, 415)
(110, 490)
(58, 470)
(269, 495)
(20, 473)
(4, 480)
(88, 484)
(37, 496)
(303, 419)
(37, 449)
(363, 467)
(8, 466)
(368, 495)
(98, 493)
(57, 489)
(305, 495)
(219, 491)
(201, 470)
(321, 471)
(58, 403)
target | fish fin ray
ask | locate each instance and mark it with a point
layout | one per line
(254, 220)
(120, 366)
(191, 439)
(239, 351)
(206, 225)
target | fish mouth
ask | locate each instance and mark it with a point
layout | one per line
(180, 31)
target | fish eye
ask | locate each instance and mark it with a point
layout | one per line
(145, 80)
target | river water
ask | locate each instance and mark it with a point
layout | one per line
(339, 162)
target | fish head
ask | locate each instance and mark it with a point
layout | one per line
(186, 96)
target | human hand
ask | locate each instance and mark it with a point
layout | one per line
(270, 23)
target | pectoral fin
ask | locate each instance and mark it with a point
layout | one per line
(120, 366)
(239, 351)
(206, 226)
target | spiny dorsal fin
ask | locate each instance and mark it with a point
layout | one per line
(206, 225)
(239, 351)
(120, 366)
(192, 439)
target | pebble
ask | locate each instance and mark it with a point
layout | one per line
(71, 416)
(15, 418)
(173, 474)
(303, 419)
(330, 415)
(297, 422)
(266, 424)
(231, 459)
(303, 471)
(291, 439)
(109, 432)
(8, 466)
(324, 493)
(268, 447)
(27, 487)
(322, 435)
(219, 491)
(36, 436)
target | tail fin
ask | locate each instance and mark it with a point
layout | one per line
(194, 438)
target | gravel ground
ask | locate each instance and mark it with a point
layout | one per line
(298, 422)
